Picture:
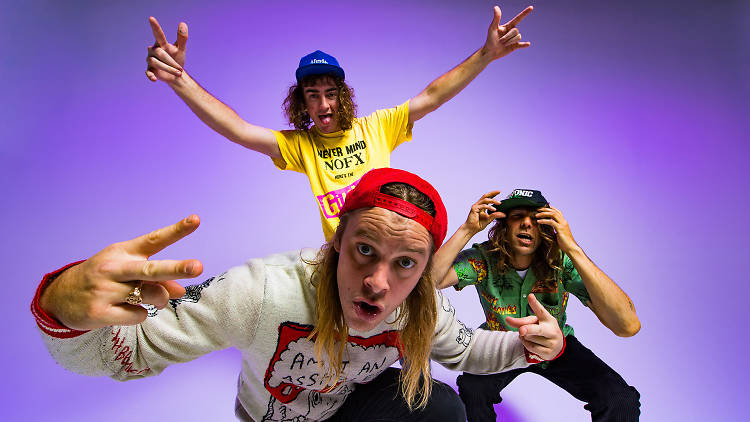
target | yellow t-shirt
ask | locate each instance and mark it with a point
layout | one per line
(334, 162)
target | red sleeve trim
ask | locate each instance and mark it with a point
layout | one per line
(534, 358)
(46, 323)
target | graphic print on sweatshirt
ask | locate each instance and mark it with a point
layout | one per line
(297, 383)
(192, 294)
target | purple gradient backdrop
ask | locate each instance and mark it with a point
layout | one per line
(631, 118)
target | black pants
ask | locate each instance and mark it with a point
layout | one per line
(380, 400)
(578, 371)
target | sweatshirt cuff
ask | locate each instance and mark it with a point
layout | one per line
(534, 358)
(46, 323)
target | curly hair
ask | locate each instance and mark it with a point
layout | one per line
(294, 103)
(417, 315)
(547, 260)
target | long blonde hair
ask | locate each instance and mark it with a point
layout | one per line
(417, 315)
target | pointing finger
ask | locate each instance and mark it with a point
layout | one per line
(159, 36)
(539, 310)
(151, 243)
(519, 17)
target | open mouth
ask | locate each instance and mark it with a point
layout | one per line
(525, 238)
(326, 119)
(367, 310)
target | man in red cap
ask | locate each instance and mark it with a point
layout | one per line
(370, 285)
(329, 144)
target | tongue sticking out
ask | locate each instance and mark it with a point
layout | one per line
(325, 119)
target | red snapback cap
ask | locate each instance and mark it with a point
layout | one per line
(367, 194)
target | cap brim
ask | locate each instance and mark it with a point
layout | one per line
(318, 69)
(511, 203)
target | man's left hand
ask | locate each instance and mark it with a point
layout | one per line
(539, 333)
(505, 39)
(551, 216)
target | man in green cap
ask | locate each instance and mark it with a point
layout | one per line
(531, 250)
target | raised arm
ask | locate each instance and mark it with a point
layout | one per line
(610, 304)
(501, 41)
(166, 63)
(94, 293)
(480, 215)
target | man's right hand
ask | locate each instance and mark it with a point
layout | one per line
(93, 294)
(483, 212)
(539, 333)
(165, 60)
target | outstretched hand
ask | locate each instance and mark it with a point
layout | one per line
(165, 60)
(505, 39)
(539, 333)
(482, 212)
(93, 294)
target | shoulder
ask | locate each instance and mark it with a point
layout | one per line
(386, 113)
(290, 135)
(476, 251)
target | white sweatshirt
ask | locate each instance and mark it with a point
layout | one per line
(265, 308)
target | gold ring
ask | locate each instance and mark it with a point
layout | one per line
(134, 297)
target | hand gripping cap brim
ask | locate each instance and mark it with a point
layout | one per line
(367, 194)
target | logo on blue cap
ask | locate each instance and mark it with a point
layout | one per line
(318, 63)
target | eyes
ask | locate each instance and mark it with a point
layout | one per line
(331, 95)
(521, 216)
(365, 250)
(404, 262)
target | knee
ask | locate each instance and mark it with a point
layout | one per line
(473, 388)
(469, 383)
(628, 398)
(623, 401)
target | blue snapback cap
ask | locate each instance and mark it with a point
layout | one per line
(318, 63)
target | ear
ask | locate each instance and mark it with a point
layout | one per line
(337, 242)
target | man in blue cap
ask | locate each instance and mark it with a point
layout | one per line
(330, 144)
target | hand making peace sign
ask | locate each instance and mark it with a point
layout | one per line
(165, 60)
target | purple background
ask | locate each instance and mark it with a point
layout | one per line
(631, 118)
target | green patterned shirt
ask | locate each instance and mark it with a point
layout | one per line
(503, 295)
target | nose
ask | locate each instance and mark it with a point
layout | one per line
(377, 282)
(527, 222)
(324, 103)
